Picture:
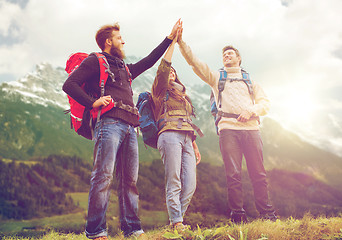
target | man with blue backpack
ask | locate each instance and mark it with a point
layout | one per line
(115, 140)
(239, 103)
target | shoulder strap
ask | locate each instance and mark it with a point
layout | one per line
(104, 71)
(221, 84)
(248, 82)
(129, 74)
(165, 104)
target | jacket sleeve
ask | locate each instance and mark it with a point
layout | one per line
(200, 68)
(147, 62)
(87, 71)
(161, 81)
(262, 103)
(160, 86)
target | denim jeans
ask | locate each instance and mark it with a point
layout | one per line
(233, 145)
(116, 146)
(179, 160)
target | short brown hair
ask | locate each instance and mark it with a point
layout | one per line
(232, 48)
(104, 33)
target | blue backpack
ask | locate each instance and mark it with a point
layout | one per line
(148, 125)
(214, 108)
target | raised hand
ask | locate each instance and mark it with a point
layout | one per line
(180, 34)
(175, 29)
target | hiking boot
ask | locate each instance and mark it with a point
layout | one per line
(101, 238)
(269, 216)
(238, 217)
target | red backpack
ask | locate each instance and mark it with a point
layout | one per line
(82, 119)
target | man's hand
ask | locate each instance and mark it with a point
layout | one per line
(244, 116)
(175, 29)
(180, 33)
(102, 101)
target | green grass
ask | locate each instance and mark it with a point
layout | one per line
(29, 163)
(155, 223)
(80, 199)
(287, 229)
(61, 221)
(72, 220)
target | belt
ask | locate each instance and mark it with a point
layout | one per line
(180, 124)
(126, 107)
(233, 115)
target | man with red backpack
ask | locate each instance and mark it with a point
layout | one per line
(116, 145)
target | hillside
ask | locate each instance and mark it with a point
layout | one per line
(285, 150)
(34, 125)
(30, 189)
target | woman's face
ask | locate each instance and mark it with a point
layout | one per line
(172, 75)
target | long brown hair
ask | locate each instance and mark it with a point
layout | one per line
(180, 96)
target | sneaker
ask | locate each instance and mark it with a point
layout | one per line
(238, 218)
(180, 227)
(269, 216)
(140, 234)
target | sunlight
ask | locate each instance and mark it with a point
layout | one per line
(299, 107)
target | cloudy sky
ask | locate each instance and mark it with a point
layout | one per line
(293, 48)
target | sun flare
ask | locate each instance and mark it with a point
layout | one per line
(299, 107)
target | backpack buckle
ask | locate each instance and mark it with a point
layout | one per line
(180, 122)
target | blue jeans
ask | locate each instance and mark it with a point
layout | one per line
(179, 160)
(233, 145)
(116, 146)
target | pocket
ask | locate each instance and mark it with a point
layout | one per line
(161, 141)
(180, 113)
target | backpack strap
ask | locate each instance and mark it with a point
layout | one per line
(161, 121)
(129, 75)
(221, 85)
(104, 73)
(246, 79)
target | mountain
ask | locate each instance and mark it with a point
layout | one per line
(32, 119)
(33, 125)
(285, 150)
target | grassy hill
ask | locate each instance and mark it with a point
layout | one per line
(52, 160)
(51, 181)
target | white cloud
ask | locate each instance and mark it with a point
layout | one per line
(8, 13)
(272, 38)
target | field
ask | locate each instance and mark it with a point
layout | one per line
(205, 215)
(288, 229)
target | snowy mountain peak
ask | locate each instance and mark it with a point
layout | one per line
(43, 86)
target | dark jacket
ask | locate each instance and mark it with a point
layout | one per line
(120, 89)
